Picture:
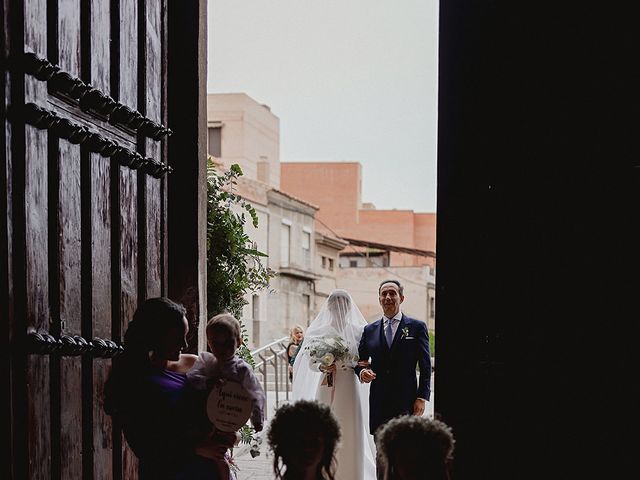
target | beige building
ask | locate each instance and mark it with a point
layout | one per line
(245, 132)
(291, 234)
(328, 247)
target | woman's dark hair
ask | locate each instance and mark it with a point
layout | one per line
(150, 324)
(303, 417)
(152, 320)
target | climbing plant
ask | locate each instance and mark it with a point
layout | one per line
(234, 264)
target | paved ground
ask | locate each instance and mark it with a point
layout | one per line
(261, 467)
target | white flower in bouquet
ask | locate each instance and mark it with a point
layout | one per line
(326, 351)
(327, 359)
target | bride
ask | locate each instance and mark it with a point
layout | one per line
(317, 377)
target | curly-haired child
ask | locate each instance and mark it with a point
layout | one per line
(413, 448)
(303, 437)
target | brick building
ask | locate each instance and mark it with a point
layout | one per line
(384, 244)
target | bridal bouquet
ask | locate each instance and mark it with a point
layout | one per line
(325, 351)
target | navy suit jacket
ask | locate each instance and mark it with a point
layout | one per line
(396, 387)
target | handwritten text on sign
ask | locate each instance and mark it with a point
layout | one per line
(229, 406)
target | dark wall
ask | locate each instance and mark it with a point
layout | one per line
(538, 238)
(187, 192)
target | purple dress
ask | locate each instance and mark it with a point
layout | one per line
(166, 420)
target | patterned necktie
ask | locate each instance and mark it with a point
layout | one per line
(389, 333)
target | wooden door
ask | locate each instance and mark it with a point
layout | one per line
(84, 155)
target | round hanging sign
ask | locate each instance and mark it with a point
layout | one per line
(229, 406)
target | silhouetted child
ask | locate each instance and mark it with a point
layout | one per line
(303, 437)
(415, 448)
(224, 338)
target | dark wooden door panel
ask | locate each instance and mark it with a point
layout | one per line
(98, 247)
(128, 20)
(89, 219)
(69, 402)
(36, 223)
(153, 110)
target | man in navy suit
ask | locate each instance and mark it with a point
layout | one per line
(394, 346)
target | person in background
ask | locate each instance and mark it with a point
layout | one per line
(303, 437)
(148, 393)
(415, 448)
(296, 335)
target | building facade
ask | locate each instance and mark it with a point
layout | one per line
(244, 132)
(382, 244)
(327, 261)
(291, 234)
(419, 285)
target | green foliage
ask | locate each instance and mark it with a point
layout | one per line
(234, 264)
(246, 434)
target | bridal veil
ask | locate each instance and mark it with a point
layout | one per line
(338, 316)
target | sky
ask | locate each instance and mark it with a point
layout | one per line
(350, 80)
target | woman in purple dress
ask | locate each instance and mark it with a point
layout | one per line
(163, 419)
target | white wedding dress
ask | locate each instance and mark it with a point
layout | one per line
(352, 455)
(348, 398)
